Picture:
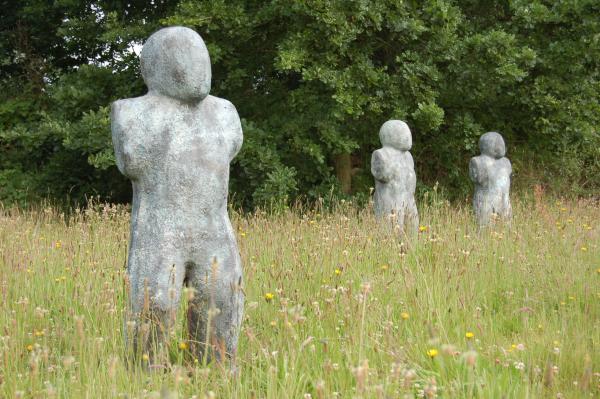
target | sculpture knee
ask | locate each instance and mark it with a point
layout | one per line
(413, 216)
(159, 292)
(214, 319)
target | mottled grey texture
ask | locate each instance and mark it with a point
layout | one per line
(176, 144)
(395, 179)
(491, 174)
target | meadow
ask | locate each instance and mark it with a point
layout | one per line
(335, 307)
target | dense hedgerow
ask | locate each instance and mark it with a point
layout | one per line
(313, 81)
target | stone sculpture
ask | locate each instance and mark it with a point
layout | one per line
(175, 144)
(395, 180)
(491, 174)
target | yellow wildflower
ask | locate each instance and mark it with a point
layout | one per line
(384, 267)
(145, 357)
(183, 345)
(584, 249)
(269, 296)
(29, 347)
(57, 244)
(432, 353)
(422, 229)
(404, 315)
(469, 335)
(338, 272)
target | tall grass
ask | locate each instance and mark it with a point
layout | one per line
(335, 307)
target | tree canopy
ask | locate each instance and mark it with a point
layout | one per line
(313, 80)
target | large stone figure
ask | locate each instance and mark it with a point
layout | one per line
(491, 174)
(395, 179)
(175, 144)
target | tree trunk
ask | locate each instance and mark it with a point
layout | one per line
(343, 171)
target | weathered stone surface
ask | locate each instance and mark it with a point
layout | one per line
(491, 174)
(395, 180)
(175, 144)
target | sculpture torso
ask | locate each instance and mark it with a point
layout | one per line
(177, 157)
(492, 186)
(395, 183)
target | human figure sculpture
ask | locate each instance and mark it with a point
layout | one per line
(175, 144)
(491, 172)
(395, 180)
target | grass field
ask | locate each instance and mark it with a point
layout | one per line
(335, 307)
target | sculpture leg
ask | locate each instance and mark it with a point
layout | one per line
(400, 219)
(412, 218)
(507, 212)
(483, 208)
(215, 313)
(156, 277)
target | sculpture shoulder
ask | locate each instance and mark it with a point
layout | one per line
(505, 163)
(476, 169)
(224, 108)
(129, 119)
(229, 119)
(225, 112)
(378, 157)
(379, 165)
(409, 160)
(124, 112)
(120, 111)
(479, 162)
(378, 154)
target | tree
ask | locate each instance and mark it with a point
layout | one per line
(313, 81)
(62, 64)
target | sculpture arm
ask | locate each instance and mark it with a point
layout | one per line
(410, 161)
(121, 142)
(234, 129)
(509, 166)
(475, 171)
(378, 167)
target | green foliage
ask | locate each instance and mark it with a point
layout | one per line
(311, 79)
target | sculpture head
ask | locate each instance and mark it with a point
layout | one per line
(492, 144)
(175, 63)
(395, 133)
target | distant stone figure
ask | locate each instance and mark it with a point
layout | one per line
(491, 174)
(175, 144)
(395, 179)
